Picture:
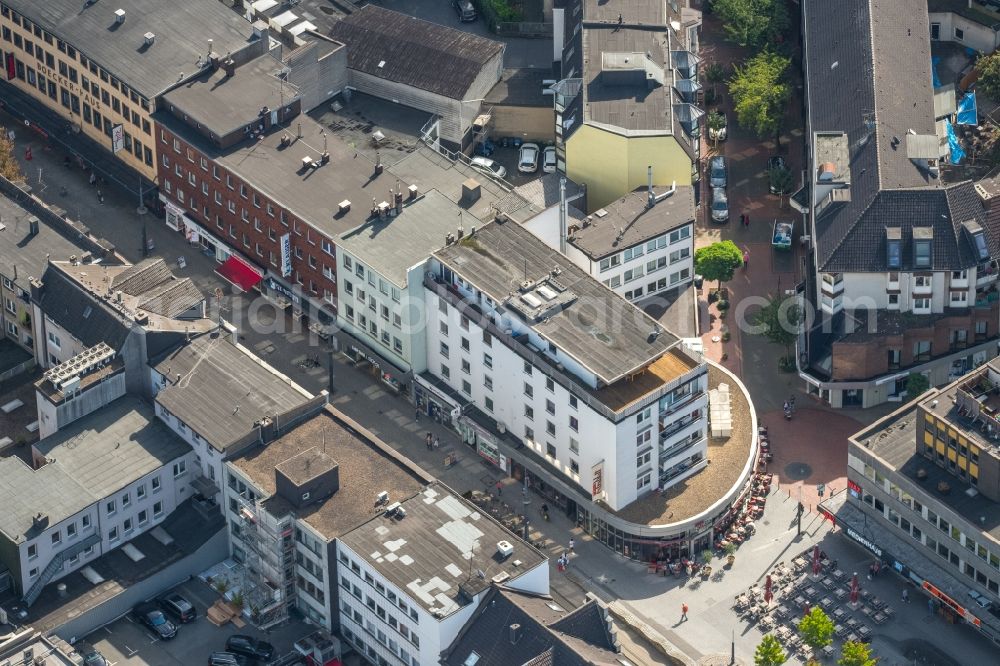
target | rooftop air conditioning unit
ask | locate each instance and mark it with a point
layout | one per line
(505, 549)
(400, 512)
(382, 497)
(344, 206)
(119, 16)
(392, 508)
(149, 38)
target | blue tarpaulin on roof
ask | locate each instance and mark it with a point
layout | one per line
(934, 61)
(957, 154)
(967, 112)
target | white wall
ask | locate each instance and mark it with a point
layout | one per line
(981, 38)
(45, 550)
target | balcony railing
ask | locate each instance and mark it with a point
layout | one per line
(677, 426)
(681, 447)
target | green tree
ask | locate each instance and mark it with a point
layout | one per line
(715, 74)
(760, 93)
(916, 383)
(816, 628)
(769, 652)
(9, 168)
(856, 654)
(779, 321)
(988, 67)
(780, 180)
(715, 121)
(718, 261)
(752, 23)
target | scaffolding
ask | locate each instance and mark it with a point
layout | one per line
(269, 566)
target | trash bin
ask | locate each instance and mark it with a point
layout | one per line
(698, 281)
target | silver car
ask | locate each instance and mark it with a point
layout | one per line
(720, 205)
(717, 172)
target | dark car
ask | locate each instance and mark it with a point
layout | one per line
(226, 659)
(153, 618)
(775, 163)
(250, 646)
(178, 608)
(94, 658)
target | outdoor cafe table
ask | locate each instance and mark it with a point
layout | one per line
(840, 594)
(839, 613)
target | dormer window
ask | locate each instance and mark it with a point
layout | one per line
(980, 241)
(977, 238)
(894, 247)
(922, 239)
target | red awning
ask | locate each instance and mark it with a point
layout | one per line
(240, 273)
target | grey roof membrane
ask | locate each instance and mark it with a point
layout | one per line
(25, 254)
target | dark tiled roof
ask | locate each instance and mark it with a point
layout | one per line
(415, 52)
(546, 636)
(158, 290)
(77, 311)
(944, 210)
(141, 277)
(868, 64)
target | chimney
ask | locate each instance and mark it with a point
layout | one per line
(414, 192)
(471, 191)
(378, 163)
(514, 631)
(650, 197)
(119, 16)
(210, 43)
(149, 38)
(33, 225)
(562, 215)
(229, 66)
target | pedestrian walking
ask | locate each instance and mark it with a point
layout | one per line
(437, 441)
(572, 543)
(428, 441)
(416, 414)
(100, 196)
(906, 596)
(499, 488)
(746, 220)
(746, 259)
(684, 612)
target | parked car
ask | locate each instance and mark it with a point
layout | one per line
(226, 659)
(154, 619)
(980, 600)
(178, 608)
(723, 132)
(250, 647)
(775, 163)
(527, 159)
(717, 172)
(720, 205)
(94, 658)
(466, 10)
(489, 167)
(549, 159)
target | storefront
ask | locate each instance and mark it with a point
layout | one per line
(484, 442)
(392, 378)
(177, 219)
(436, 400)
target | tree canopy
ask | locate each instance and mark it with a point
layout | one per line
(816, 628)
(988, 67)
(779, 320)
(752, 23)
(855, 653)
(916, 383)
(769, 652)
(760, 92)
(718, 261)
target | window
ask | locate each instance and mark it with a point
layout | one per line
(157, 509)
(572, 401)
(527, 368)
(445, 371)
(643, 458)
(32, 551)
(921, 254)
(85, 522)
(921, 305)
(466, 387)
(550, 450)
(155, 482)
(71, 530)
(529, 412)
(550, 428)
(179, 468)
(126, 500)
(488, 383)
(110, 508)
(444, 350)
(643, 481)
(574, 424)
(127, 525)
(488, 361)
(959, 34)
(529, 390)
(466, 366)
(143, 517)
(33, 573)
(113, 534)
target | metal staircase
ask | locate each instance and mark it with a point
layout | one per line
(56, 564)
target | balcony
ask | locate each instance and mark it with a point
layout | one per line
(831, 286)
(667, 457)
(986, 273)
(671, 406)
(671, 429)
(922, 289)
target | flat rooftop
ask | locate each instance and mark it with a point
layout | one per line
(223, 389)
(629, 220)
(394, 244)
(113, 446)
(893, 439)
(14, 424)
(521, 87)
(602, 331)
(314, 195)
(182, 32)
(651, 13)
(365, 468)
(354, 121)
(947, 403)
(24, 256)
(637, 105)
(225, 104)
(728, 458)
(443, 546)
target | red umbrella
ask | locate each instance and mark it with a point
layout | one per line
(816, 565)
(767, 590)
(855, 590)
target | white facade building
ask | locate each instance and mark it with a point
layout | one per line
(588, 382)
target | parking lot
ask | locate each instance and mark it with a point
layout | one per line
(125, 641)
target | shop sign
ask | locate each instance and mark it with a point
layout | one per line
(488, 449)
(366, 356)
(864, 541)
(286, 255)
(951, 603)
(175, 216)
(597, 485)
(117, 138)
(854, 489)
(274, 285)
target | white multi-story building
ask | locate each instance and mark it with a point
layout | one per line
(412, 577)
(639, 245)
(87, 489)
(526, 342)
(220, 398)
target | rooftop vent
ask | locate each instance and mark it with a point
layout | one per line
(382, 497)
(515, 633)
(148, 38)
(344, 206)
(119, 16)
(505, 549)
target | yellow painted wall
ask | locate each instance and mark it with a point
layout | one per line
(613, 165)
